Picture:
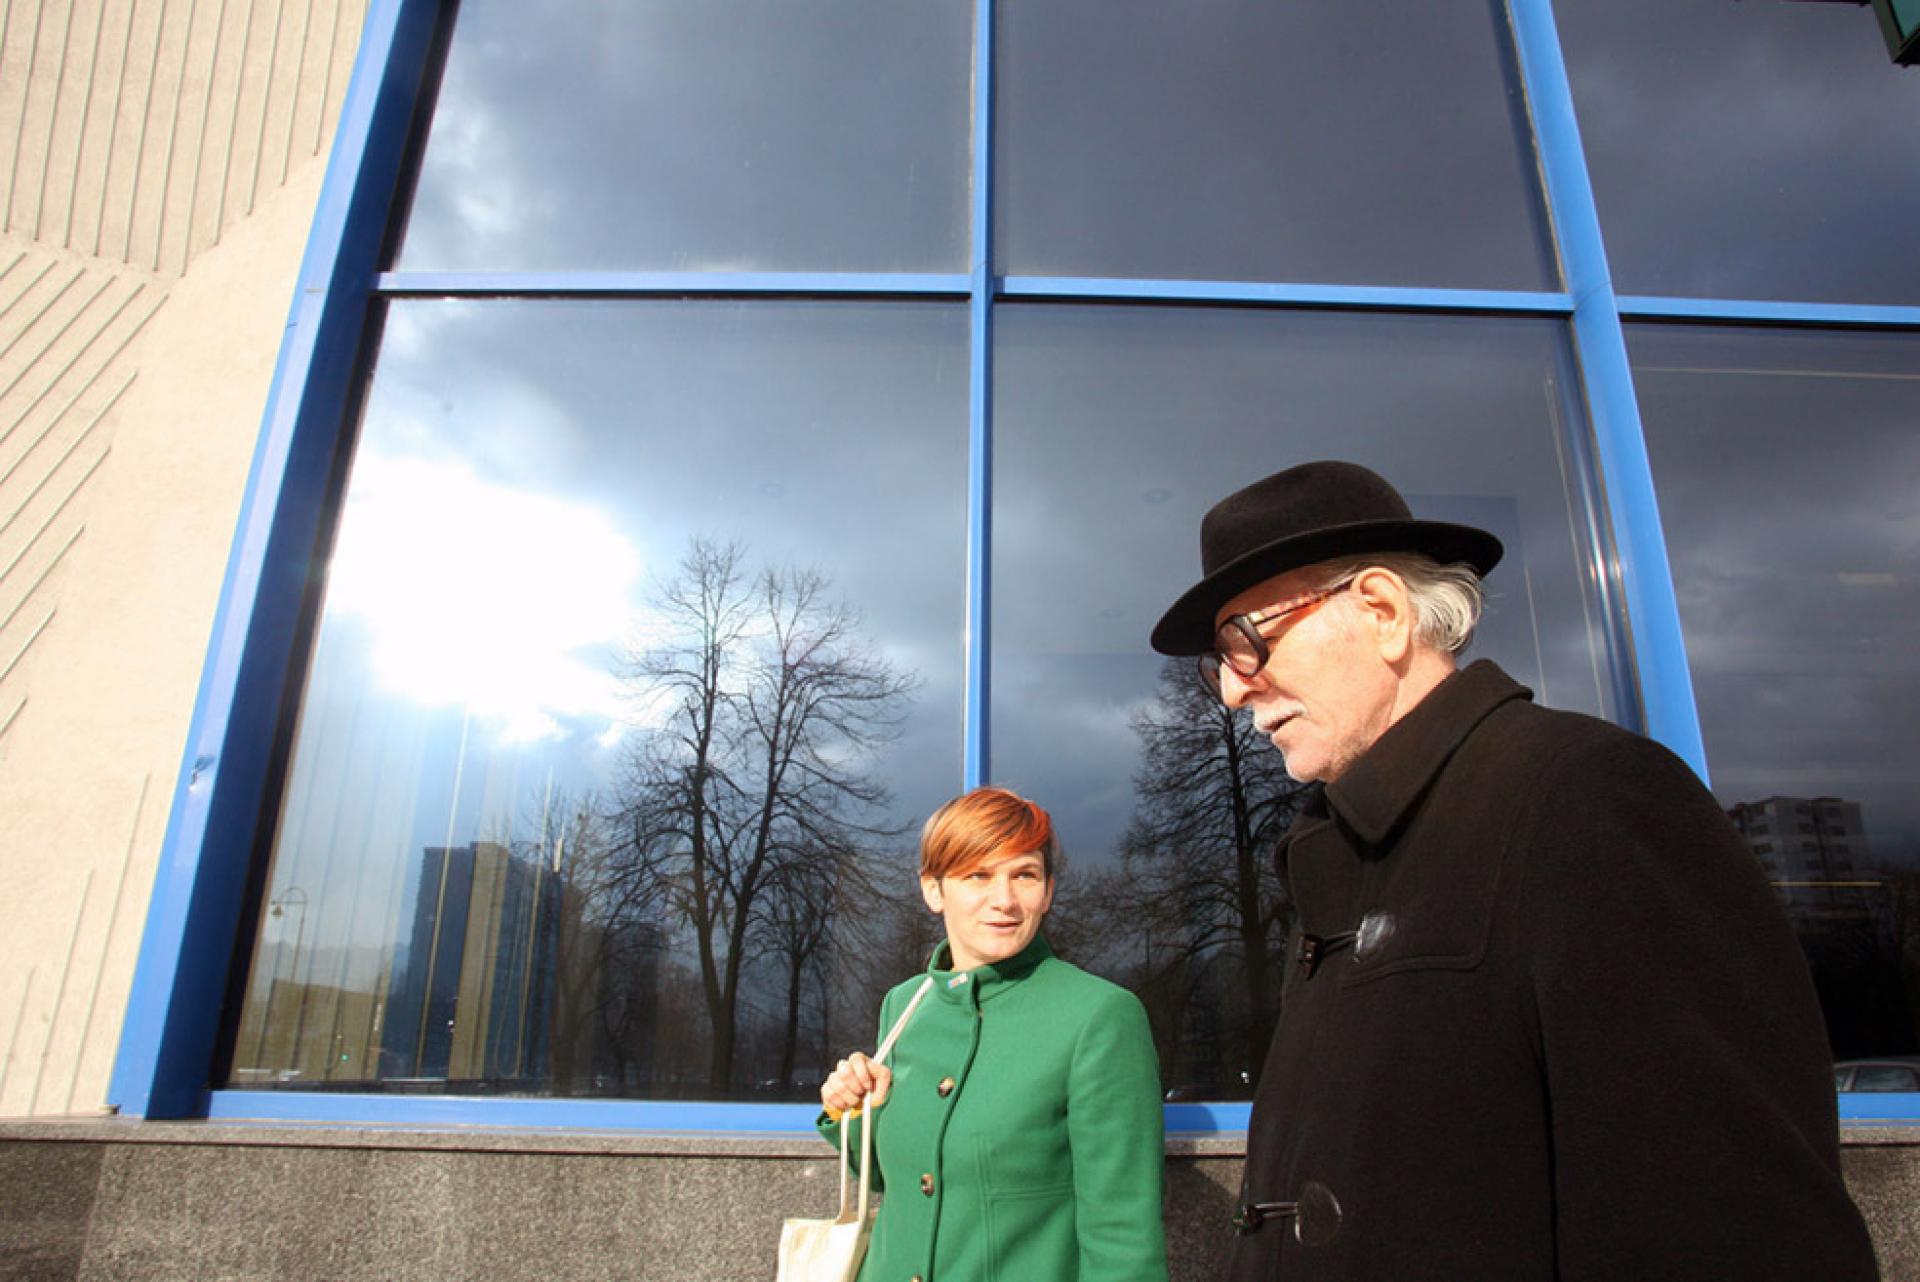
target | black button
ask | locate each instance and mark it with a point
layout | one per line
(926, 1185)
(946, 1087)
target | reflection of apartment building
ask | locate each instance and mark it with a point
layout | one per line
(1814, 850)
(306, 1031)
(472, 997)
(1802, 839)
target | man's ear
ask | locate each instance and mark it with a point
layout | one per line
(1387, 608)
(930, 891)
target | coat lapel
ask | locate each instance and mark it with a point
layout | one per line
(1376, 794)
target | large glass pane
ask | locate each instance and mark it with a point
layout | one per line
(1115, 429)
(698, 135)
(1317, 140)
(639, 662)
(1748, 150)
(1788, 469)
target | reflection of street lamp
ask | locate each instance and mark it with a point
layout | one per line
(277, 907)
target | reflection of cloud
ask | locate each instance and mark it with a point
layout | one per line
(1785, 462)
(842, 450)
(1746, 150)
(719, 136)
(479, 594)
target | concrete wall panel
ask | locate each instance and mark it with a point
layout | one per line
(161, 161)
(277, 1204)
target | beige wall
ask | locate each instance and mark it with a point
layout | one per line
(159, 164)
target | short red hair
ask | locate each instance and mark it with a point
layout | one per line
(985, 824)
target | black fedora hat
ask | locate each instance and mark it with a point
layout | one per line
(1302, 516)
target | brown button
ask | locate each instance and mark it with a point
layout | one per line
(926, 1185)
(946, 1087)
(915, 1278)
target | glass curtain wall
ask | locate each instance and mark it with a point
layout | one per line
(1747, 165)
(727, 354)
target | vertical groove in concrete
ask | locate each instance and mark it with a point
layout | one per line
(135, 137)
(26, 992)
(173, 131)
(25, 81)
(266, 104)
(129, 119)
(113, 918)
(53, 116)
(60, 992)
(86, 116)
(117, 79)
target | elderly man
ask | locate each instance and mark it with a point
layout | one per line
(1543, 1018)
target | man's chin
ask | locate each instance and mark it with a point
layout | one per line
(1298, 769)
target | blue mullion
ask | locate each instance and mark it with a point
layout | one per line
(509, 284)
(382, 1109)
(1880, 1108)
(975, 738)
(1646, 578)
(193, 919)
(1645, 307)
(1378, 297)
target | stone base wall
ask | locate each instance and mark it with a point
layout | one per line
(205, 1203)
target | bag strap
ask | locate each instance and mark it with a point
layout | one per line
(866, 1115)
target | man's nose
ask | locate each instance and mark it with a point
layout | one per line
(1234, 688)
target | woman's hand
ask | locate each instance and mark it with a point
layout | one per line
(855, 1077)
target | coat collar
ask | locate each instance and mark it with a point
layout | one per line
(983, 983)
(1377, 790)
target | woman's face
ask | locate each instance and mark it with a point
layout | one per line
(992, 910)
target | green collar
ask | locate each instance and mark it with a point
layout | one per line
(984, 983)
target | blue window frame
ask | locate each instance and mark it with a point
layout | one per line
(235, 740)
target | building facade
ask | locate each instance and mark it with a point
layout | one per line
(511, 513)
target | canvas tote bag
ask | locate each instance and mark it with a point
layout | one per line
(831, 1250)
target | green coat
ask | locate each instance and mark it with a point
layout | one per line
(1042, 1161)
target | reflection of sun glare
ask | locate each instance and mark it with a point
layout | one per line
(478, 594)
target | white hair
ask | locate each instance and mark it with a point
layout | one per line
(1447, 599)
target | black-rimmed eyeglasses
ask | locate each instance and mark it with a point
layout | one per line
(1238, 643)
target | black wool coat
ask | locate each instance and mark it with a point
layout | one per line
(1543, 1019)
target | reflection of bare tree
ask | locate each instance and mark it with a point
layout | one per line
(803, 900)
(1212, 798)
(771, 706)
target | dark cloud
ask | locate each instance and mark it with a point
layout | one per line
(1239, 139)
(735, 135)
(1758, 150)
(1785, 464)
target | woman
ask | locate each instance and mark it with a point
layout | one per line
(1017, 1122)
